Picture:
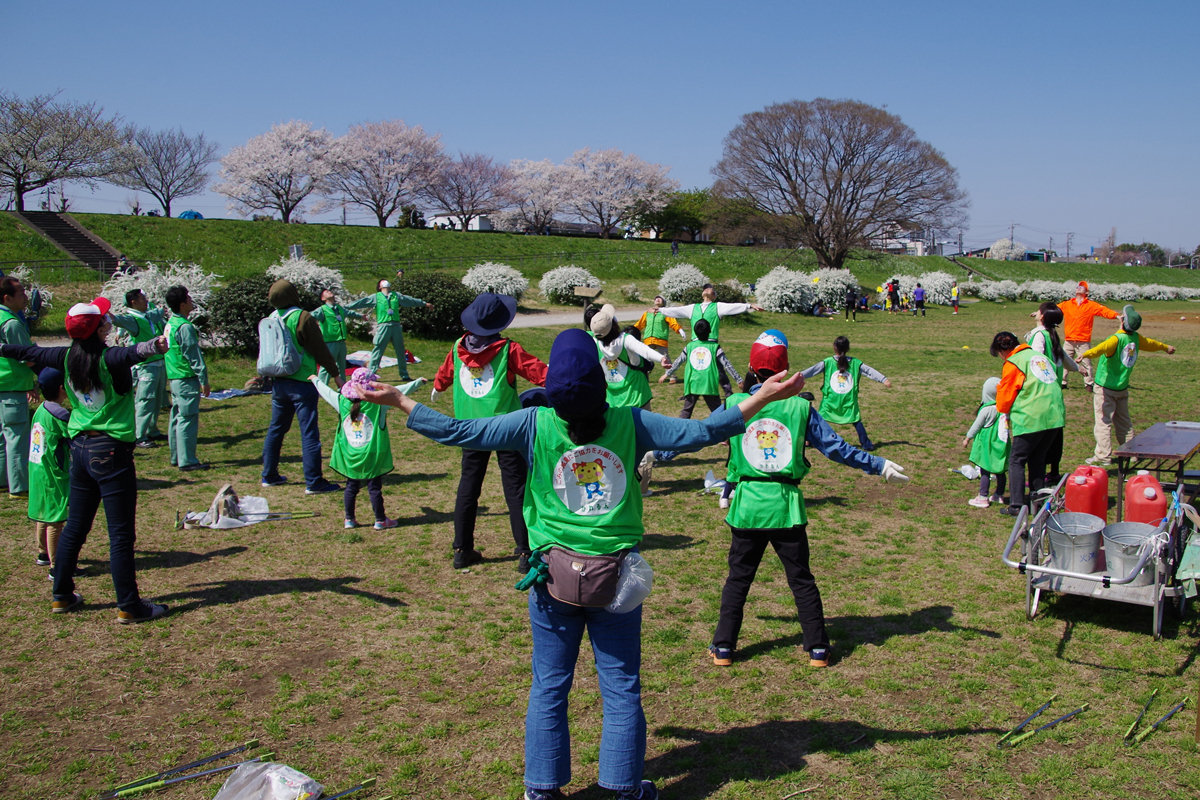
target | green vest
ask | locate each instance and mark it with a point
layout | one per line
(710, 314)
(703, 372)
(626, 386)
(49, 467)
(1112, 372)
(387, 307)
(1048, 348)
(308, 364)
(178, 367)
(767, 463)
(362, 450)
(839, 393)
(146, 330)
(657, 327)
(482, 392)
(584, 497)
(14, 375)
(1039, 405)
(101, 409)
(332, 320)
(989, 450)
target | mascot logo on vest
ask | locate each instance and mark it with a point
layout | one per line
(358, 433)
(614, 370)
(37, 443)
(590, 480)
(767, 445)
(91, 400)
(1041, 368)
(700, 359)
(1129, 354)
(841, 383)
(1002, 427)
(476, 381)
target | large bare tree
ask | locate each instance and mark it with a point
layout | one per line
(44, 140)
(171, 165)
(470, 187)
(381, 165)
(835, 174)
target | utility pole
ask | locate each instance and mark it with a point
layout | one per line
(1069, 235)
(1050, 249)
(1011, 228)
(960, 241)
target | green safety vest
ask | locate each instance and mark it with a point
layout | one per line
(990, 449)
(625, 385)
(49, 478)
(308, 364)
(1039, 405)
(710, 314)
(1048, 346)
(101, 409)
(482, 392)
(146, 330)
(657, 327)
(332, 320)
(362, 450)
(1112, 372)
(584, 497)
(387, 307)
(767, 463)
(178, 367)
(703, 372)
(14, 375)
(839, 393)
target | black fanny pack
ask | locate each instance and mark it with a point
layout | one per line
(582, 580)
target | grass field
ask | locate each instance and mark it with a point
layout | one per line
(362, 653)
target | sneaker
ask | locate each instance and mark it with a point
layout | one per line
(543, 794)
(197, 467)
(1011, 511)
(818, 657)
(149, 612)
(465, 558)
(145, 444)
(324, 488)
(63, 606)
(723, 502)
(42, 560)
(647, 791)
(18, 495)
(721, 656)
(385, 523)
(995, 499)
(979, 501)
(278, 480)
(1094, 461)
(350, 523)
(523, 563)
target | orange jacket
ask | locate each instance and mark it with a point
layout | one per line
(1011, 381)
(1078, 318)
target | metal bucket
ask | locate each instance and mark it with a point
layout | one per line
(1074, 541)
(1123, 548)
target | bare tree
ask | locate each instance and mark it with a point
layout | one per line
(381, 165)
(43, 140)
(470, 187)
(609, 188)
(172, 165)
(277, 171)
(836, 173)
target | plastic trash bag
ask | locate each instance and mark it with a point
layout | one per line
(268, 781)
(713, 484)
(968, 471)
(633, 584)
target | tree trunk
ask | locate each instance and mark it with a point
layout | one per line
(381, 218)
(286, 215)
(20, 195)
(167, 208)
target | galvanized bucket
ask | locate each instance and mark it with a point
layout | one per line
(1074, 541)
(1123, 548)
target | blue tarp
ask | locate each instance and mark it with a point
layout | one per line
(189, 214)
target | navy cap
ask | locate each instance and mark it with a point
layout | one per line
(51, 380)
(489, 313)
(575, 383)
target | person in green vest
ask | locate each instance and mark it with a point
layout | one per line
(1115, 358)
(712, 312)
(990, 450)
(622, 355)
(582, 498)
(188, 375)
(1044, 339)
(49, 460)
(705, 359)
(767, 464)
(332, 318)
(482, 370)
(143, 323)
(16, 391)
(362, 446)
(839, 391)
(100, 387)
(656, 327)
(388, 330)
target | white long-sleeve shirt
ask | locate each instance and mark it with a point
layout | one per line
(626, 342)
(1038, 343)
(723, 310)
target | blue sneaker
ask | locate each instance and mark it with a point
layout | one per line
(721, 656)
(543, 794)
(647, 791)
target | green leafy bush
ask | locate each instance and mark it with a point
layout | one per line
(234, 311)
(447, 295)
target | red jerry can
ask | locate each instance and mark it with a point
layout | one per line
(1144, 499)
(1087, 492)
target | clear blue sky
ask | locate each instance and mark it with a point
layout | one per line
(1060, 116)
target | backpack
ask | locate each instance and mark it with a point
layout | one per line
(278, 356)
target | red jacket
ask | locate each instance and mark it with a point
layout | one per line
(520, 362)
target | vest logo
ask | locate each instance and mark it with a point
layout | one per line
(767, 445)
(476, 381)
(590, 480)
(614, 370)
(93, 400)
(1002, 427)
(1041, 368)
(1129, 354)
(358, 434)
(37, 443)
(700, 358)
(841, 383)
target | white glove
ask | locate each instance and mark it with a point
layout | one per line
(893, 472)
(433, 396)
(682, 333)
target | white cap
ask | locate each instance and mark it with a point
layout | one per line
(1080, 480)
(384, 285)
(1149, 493)
(1143, 472)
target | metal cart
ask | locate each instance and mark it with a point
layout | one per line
(1164, 448)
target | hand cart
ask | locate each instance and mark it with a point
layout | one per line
(1164, 448)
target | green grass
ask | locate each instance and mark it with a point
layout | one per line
(19, 243)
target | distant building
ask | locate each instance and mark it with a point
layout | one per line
(450, 221)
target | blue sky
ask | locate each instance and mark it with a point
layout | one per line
(1059, 116)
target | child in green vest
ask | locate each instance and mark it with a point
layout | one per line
(49, 464)
(839, 393)
(990, 451)
(705, 359)
(362, 448)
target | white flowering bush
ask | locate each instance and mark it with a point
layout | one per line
(631, 293)
(1117, 292)
(830, 286)
(496, 278)
(998, 291)
(306, 274)
(1047, 291)
(785, 290)
(1007, 250)
(937, 286)
(558, 285)
(678, 279)
(154, 281)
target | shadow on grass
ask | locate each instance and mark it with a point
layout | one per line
(1112, 615)
(236, 591)
(899, 441)
(428, 516)
(666, 541)
(168, 559)
(228, 442)
(412, 477)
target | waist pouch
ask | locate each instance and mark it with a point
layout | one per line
(582, 580)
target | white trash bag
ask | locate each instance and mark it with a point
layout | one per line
(633, 584)
(268, 781)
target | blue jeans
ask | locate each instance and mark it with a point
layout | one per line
(617, 646)
(101, 469)
(289, 399)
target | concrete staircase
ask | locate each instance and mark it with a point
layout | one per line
(65, 233)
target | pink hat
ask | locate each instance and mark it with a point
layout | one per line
(84, 319)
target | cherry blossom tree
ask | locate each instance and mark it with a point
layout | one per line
(470, 187)
(278, 170)
(537, 194)
(609, 188)
(382, 165)
(172, 165)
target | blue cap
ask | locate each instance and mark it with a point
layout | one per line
(51, 380)
(575, 383)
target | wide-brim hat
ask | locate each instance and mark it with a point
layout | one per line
(84, 319)
(602, 321)
(489, 313)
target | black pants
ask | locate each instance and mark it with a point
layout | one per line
(1028, 449)
(985, 482)
(745, 553)
(374, 489)
(920, 305)
(513, 472)
(1054, 457)
(689, 403)
(851, 310)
